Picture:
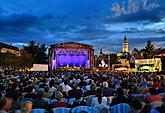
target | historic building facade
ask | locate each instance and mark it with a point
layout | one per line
(4, 48)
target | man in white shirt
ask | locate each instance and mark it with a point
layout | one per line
(65, 86)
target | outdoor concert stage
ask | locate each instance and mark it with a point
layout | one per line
(71, 56)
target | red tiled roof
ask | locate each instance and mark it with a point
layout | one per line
(137, 56)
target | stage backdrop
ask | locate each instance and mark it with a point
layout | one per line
(71, 60)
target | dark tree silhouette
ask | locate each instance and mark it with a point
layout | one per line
(38, 52)
(149, 50)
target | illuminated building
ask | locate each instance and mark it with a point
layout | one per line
(4, 48)
(71, 56)
(148, 65)
(162, 57)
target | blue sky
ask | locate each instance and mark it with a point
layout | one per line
(101, 23)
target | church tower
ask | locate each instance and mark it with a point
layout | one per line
(125, 45)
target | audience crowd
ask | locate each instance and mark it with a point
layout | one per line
(102, 91)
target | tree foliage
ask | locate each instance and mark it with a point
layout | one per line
(38, 52)
(149, 50)
(113, 59)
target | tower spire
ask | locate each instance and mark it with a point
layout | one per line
(125, 45)
(101, 51)
(125, 39)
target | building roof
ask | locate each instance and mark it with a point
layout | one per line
(3, 45)
(71, 44)
(161, 55)
(137, 56)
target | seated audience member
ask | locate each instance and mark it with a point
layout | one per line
(2, 90)
(136, 106)
(79, 101)
(29, 93)
(99, 100)
(146, 109)
(161, 109)
(65, 86)
(16, 103)
(156, 82)
(75, 91)
(44, 84)
(26, 107)
(46, 92)
(107, 91)
(161, 89)
(59, 103)
(120, 98)
(5, 105)
(92, 90)
(60, 88)
(39, 101)
(153, 95)
(135, 90)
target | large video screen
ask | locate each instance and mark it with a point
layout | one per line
(71, 60)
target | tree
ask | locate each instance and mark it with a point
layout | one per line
(38, 52)
(25, 60)
(113, 59)
(42, 57)
(149, 50)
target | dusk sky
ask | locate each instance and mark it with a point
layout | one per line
(101, 23)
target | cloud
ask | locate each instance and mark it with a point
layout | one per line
(136, 10)
(82, 21)
(144, 15)
(17, 20)
(133, 6)
(160, 31)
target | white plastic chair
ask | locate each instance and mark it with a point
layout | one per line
(65, 100)
(52, 100)
(38, 110)
(71, 100)
(17, 111)
(61, 110)
(81, 108)
(120, 108)
(101, 109)
(89, 99)
(154, 111)
(156, 104)
(162, 94)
